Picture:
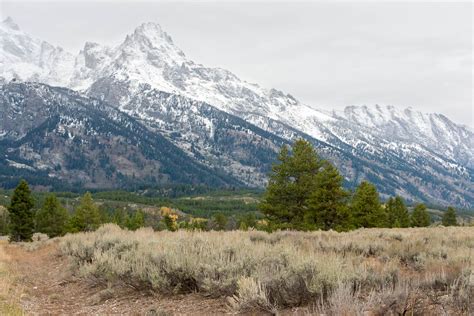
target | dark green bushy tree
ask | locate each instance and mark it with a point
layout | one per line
(119, 217)
(219, 221)
(397, 213)
(305, 192)
(291, 183)
(366, 208)
(87, 215)
(327, 205)
(420, 216)
(21, 213)
(136, 221)
(52, 218)
(4, 221)
(449, 217)
(247, 221)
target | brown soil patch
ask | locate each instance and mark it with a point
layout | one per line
(49, 288)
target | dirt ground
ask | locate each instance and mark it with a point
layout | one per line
(44, 285)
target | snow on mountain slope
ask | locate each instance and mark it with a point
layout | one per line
(149, 56)
(408, 152)
(241, 149)
(213, 137)
(433, 131)
(59, 137)
(29, 59)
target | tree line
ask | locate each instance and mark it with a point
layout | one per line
(23, 218)
(53, 219)
(306, 192)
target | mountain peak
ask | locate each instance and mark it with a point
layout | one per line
(150, 45)
(8, 22)
(152, 31)
(90, 45)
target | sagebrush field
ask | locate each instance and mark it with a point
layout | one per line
(381, 271)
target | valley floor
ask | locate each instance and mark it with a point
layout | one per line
(39, 282)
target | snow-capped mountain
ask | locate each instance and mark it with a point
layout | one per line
(417, 155)
(28, 58)
(58, 137)
(434, 131)
(149, 56)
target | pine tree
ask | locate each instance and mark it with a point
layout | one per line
(391, 217)
(291, 183)
(120, 217)
(220, 221)
(327, 207)
(21, 213)
(366, 208)
(247, 221)
(4, 221)
(52, 218)
(397, 213)
(136, 221)
(87, 215)
(104, 214)
(449, 217)
(420, 216)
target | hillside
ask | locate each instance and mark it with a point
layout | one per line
(55, 136)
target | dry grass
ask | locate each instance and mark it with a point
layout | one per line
(39, 240)
(384, 271)
(9, 293)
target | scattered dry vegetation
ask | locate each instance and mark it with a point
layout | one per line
(9, 293)
(384, 271)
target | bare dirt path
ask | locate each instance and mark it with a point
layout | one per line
(44, 285)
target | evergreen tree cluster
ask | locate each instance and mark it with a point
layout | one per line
(22, 220)
(306, 192)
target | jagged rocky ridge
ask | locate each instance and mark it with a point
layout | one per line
(420, 156)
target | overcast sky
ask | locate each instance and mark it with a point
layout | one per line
(328, 55)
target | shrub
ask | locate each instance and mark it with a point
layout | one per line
(251, 295)
(39, 237)
(263, 271)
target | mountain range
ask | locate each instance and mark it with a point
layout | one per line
(142, 113)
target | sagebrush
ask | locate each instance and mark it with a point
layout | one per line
(387, 271)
